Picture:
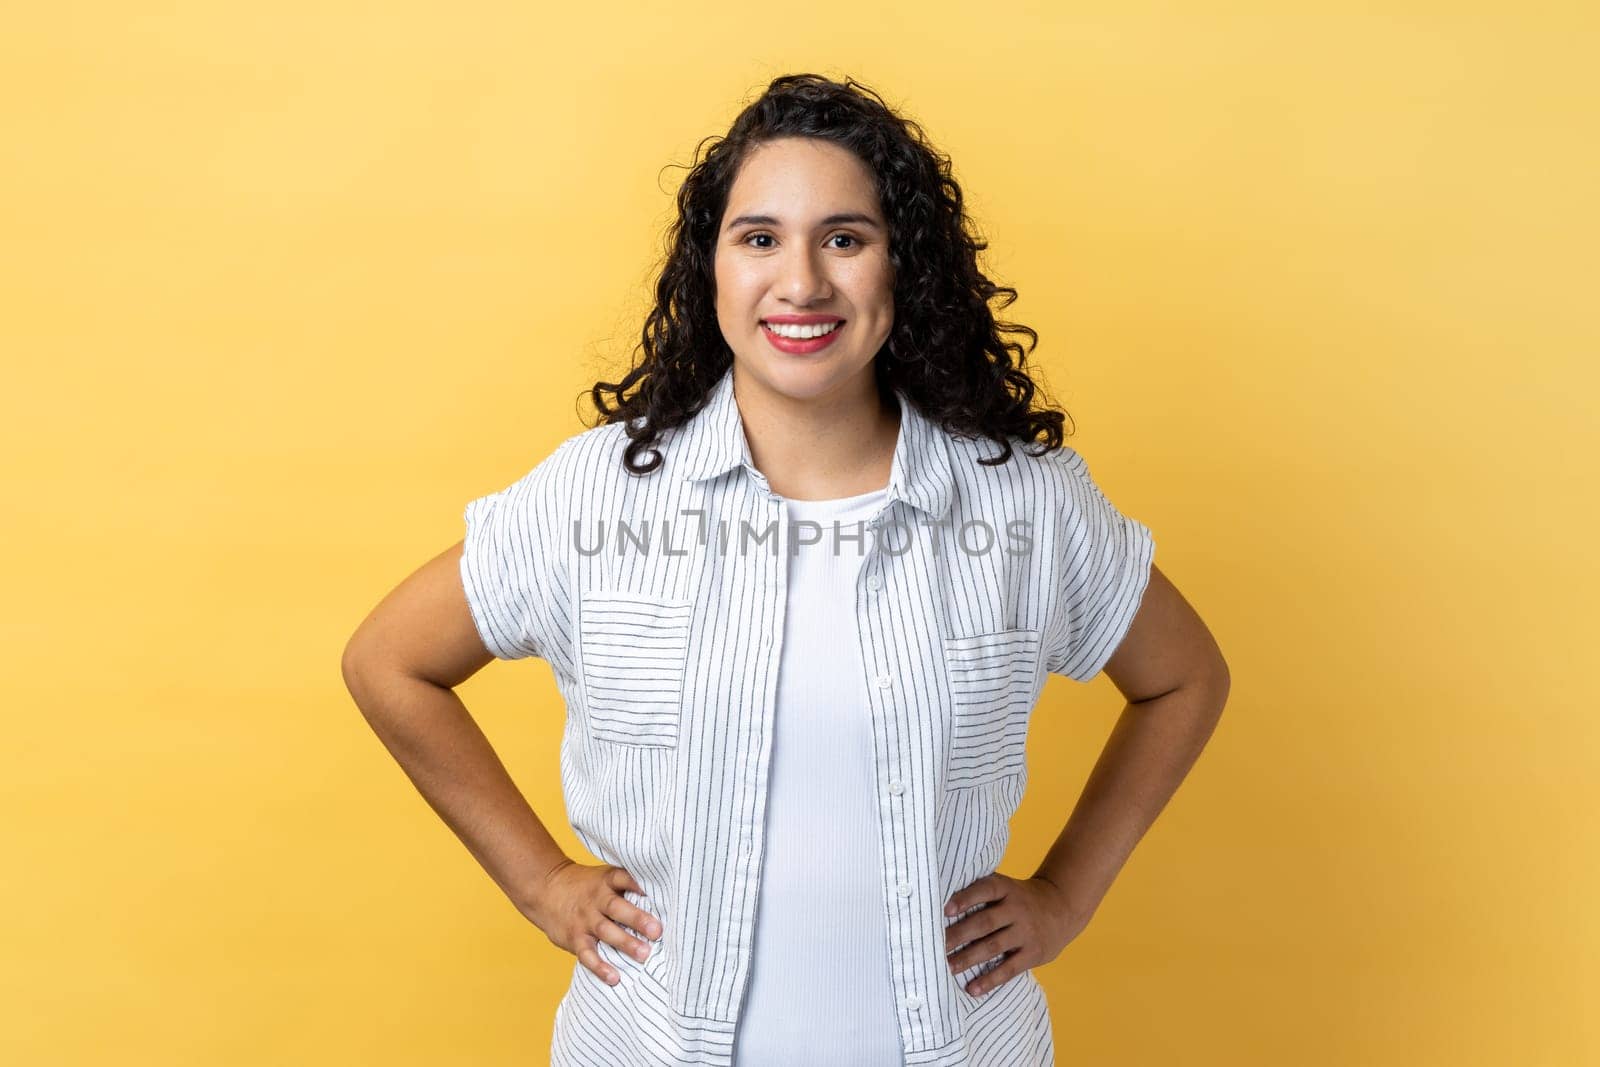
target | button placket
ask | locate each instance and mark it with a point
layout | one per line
(883, 680)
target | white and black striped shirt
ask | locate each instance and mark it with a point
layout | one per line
(658, 601)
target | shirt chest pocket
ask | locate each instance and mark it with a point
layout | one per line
(992, 678)
(634, 651)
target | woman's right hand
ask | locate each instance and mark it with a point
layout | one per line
(582, 905)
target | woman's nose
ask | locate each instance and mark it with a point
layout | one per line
(802, 280)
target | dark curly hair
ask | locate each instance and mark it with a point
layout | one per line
(945, 349)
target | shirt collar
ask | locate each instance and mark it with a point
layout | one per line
(713, 442)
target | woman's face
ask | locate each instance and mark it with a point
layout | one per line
(803, 236)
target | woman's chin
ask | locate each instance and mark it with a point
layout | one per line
(808, 379)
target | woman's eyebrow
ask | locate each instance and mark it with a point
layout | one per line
(832, 220)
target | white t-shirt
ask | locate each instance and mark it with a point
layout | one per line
(820, 990)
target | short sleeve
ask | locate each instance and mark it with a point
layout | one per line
(1102, 566)
(514, 568)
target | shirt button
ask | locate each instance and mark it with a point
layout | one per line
(913, 1002)
(905, 889)
(896, 786)
(874, 582)
(883, 681)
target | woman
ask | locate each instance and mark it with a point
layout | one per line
(801, 593)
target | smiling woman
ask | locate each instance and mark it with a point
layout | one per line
(798, 767)
(805, 287)
(822, 204)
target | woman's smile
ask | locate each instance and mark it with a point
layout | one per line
(801, 340)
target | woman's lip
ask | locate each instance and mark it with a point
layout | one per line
(800, 347)
(814, 322)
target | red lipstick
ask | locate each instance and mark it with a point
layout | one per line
(796, 346)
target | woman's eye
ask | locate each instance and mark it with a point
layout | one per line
(835, 237)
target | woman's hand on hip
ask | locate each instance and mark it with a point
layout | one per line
(582, 905)
(1029, 921)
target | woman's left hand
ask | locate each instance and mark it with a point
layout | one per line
(1028, 921)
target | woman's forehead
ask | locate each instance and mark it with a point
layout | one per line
(797, 185)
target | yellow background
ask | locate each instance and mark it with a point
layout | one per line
(287, 284)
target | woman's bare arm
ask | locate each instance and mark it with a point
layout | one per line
(401, 666)
(1175, 680)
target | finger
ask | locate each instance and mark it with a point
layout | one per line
(985, 949)
(637, 919)
(1009, 968)
(615, 935)
(975, 928)
(621, 878)
(988, 917)
(971, 928)
(643, 922)
(985, 889)
(589, 956)
(631, 914)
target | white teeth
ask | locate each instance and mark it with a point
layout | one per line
(800, 333)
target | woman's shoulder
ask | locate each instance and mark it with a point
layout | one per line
(597, 456)
(1027, 460)
(1055, 481)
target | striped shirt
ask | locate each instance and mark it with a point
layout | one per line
(659, 602)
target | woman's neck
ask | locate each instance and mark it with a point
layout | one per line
(821, 449)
